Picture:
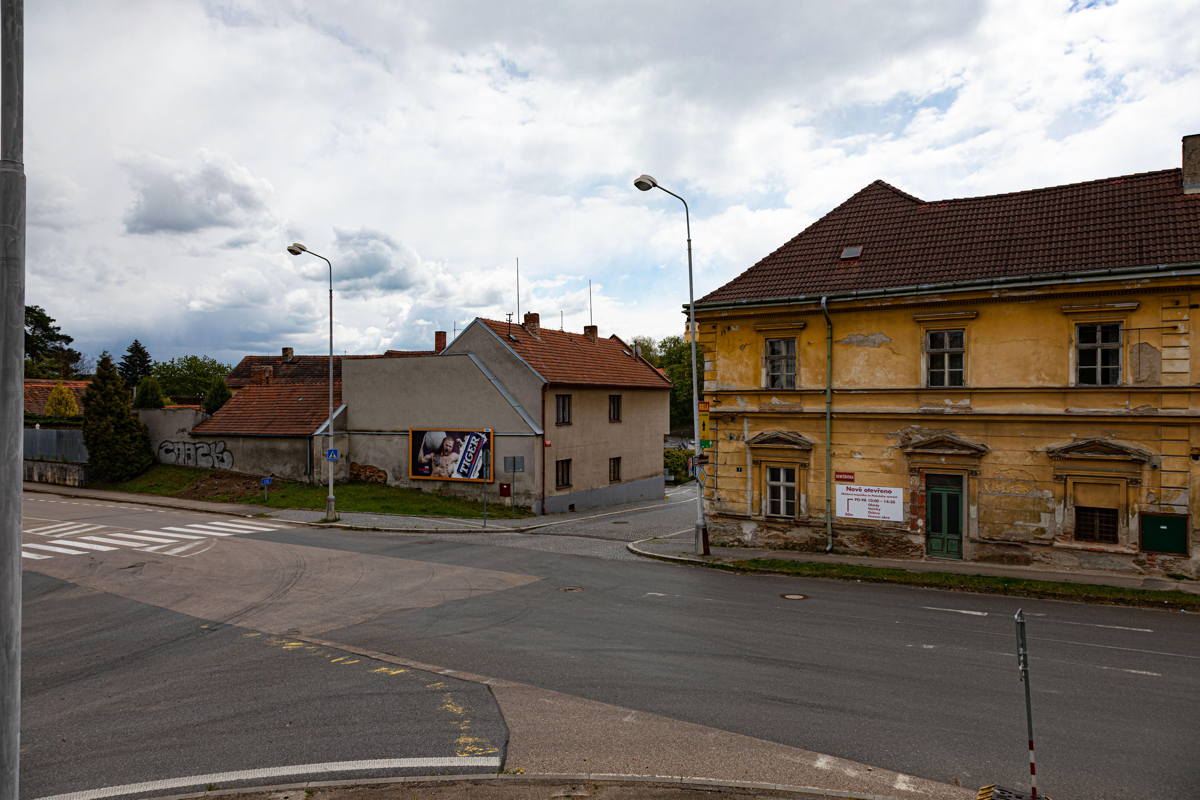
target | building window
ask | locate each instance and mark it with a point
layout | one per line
(1098, 354)
(1096, 525)
(781, 491)
(1097, 507)
(944, 353)
(562, 409)
(614, 469)
(781, 364)
(614, 408)
(562, 473)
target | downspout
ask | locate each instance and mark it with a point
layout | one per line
(544, 429)
(828, 424)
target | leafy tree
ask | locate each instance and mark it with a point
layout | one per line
(647, 347)
(135, 364)
(216, 396)
(46, 352)
(149, 393)
(675, 359)
(188, 376)
(118, 443)
(61, 403)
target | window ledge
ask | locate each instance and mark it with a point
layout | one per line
(1095, 547)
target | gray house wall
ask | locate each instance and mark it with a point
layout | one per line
(507, 366)
(387, 397)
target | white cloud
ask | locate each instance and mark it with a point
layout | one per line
(424, 146)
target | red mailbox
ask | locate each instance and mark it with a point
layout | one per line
(506, 490)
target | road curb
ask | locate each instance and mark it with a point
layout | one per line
(683, 782)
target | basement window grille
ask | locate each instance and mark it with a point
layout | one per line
(1096, 524)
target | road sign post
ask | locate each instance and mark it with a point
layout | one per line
(1023, 668)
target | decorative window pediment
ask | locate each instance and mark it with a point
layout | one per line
(788, 439)
(1103, 449)
(944, 444)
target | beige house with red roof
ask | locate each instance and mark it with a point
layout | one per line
(547, 419)
(1004, 378)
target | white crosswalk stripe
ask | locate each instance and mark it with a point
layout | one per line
(64, 550)
(80, 538)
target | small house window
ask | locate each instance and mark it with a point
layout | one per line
(781, 364)
(944, 353)
(562, 473)
(1097, 505)
(781, 491)
(1098, 354)
(614, 408)
(614, 469)
(1096, 524)
(562, 409)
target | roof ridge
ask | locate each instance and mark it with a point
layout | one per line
(1057, 187)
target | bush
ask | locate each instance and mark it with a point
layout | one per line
(149, 394)
(676, 462)
(61, 403)
(118, 443)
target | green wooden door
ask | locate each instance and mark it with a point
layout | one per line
(1164, 534)
(944, 515)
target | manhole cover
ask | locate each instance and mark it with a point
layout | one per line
(794, 596)
(570, 588)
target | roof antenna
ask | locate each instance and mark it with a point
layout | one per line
(509, 315)
(590, 322)
(518, 289)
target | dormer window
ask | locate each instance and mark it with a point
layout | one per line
(852, 252)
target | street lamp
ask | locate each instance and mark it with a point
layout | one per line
(295, 248)
(646, 183)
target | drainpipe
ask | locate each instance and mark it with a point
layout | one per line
(828, 424)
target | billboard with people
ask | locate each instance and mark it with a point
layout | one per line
(450, 455)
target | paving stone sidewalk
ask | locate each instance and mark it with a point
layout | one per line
(681, 548)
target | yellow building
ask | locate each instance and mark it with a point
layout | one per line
(1004, 378)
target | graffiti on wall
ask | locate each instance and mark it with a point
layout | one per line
(209, 455)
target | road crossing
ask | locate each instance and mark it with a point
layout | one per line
(77, 538)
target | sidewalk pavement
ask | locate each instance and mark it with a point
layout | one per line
(681, 548)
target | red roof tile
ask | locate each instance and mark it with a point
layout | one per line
(573, 358)
(280, 409)
(1130, 221)
(37, 392)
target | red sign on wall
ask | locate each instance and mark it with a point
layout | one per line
(844, 477)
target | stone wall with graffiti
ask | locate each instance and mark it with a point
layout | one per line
(205, 454)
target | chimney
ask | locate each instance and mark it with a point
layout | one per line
(439, 341)
(591, 331)
(289, 355)
(260, 375)
(532, 323)
(1191, 164)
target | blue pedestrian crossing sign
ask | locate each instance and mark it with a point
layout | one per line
(331, 455)
(265, 481)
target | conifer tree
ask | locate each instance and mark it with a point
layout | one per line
(149, 394)
(61, 403)
(216, 396)
(118, 443)
(135, 364)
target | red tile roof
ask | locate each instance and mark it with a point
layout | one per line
(297, 369)
(574, 358)
(287, 409)
(37, 392)
(1130, 221)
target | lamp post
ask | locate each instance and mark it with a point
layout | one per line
(645, 183)
(295, 248)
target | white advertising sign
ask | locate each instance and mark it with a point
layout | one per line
(870, 502)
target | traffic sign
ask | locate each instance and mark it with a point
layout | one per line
(331, 454)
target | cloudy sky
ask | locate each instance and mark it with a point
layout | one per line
(175, 147)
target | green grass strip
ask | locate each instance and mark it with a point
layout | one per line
(368, 498)
(990, 584)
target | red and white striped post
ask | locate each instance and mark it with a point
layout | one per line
(1023, 667)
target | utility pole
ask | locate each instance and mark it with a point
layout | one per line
(1023, 669)
(12, 369)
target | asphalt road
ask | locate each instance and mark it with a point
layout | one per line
(918, 681)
